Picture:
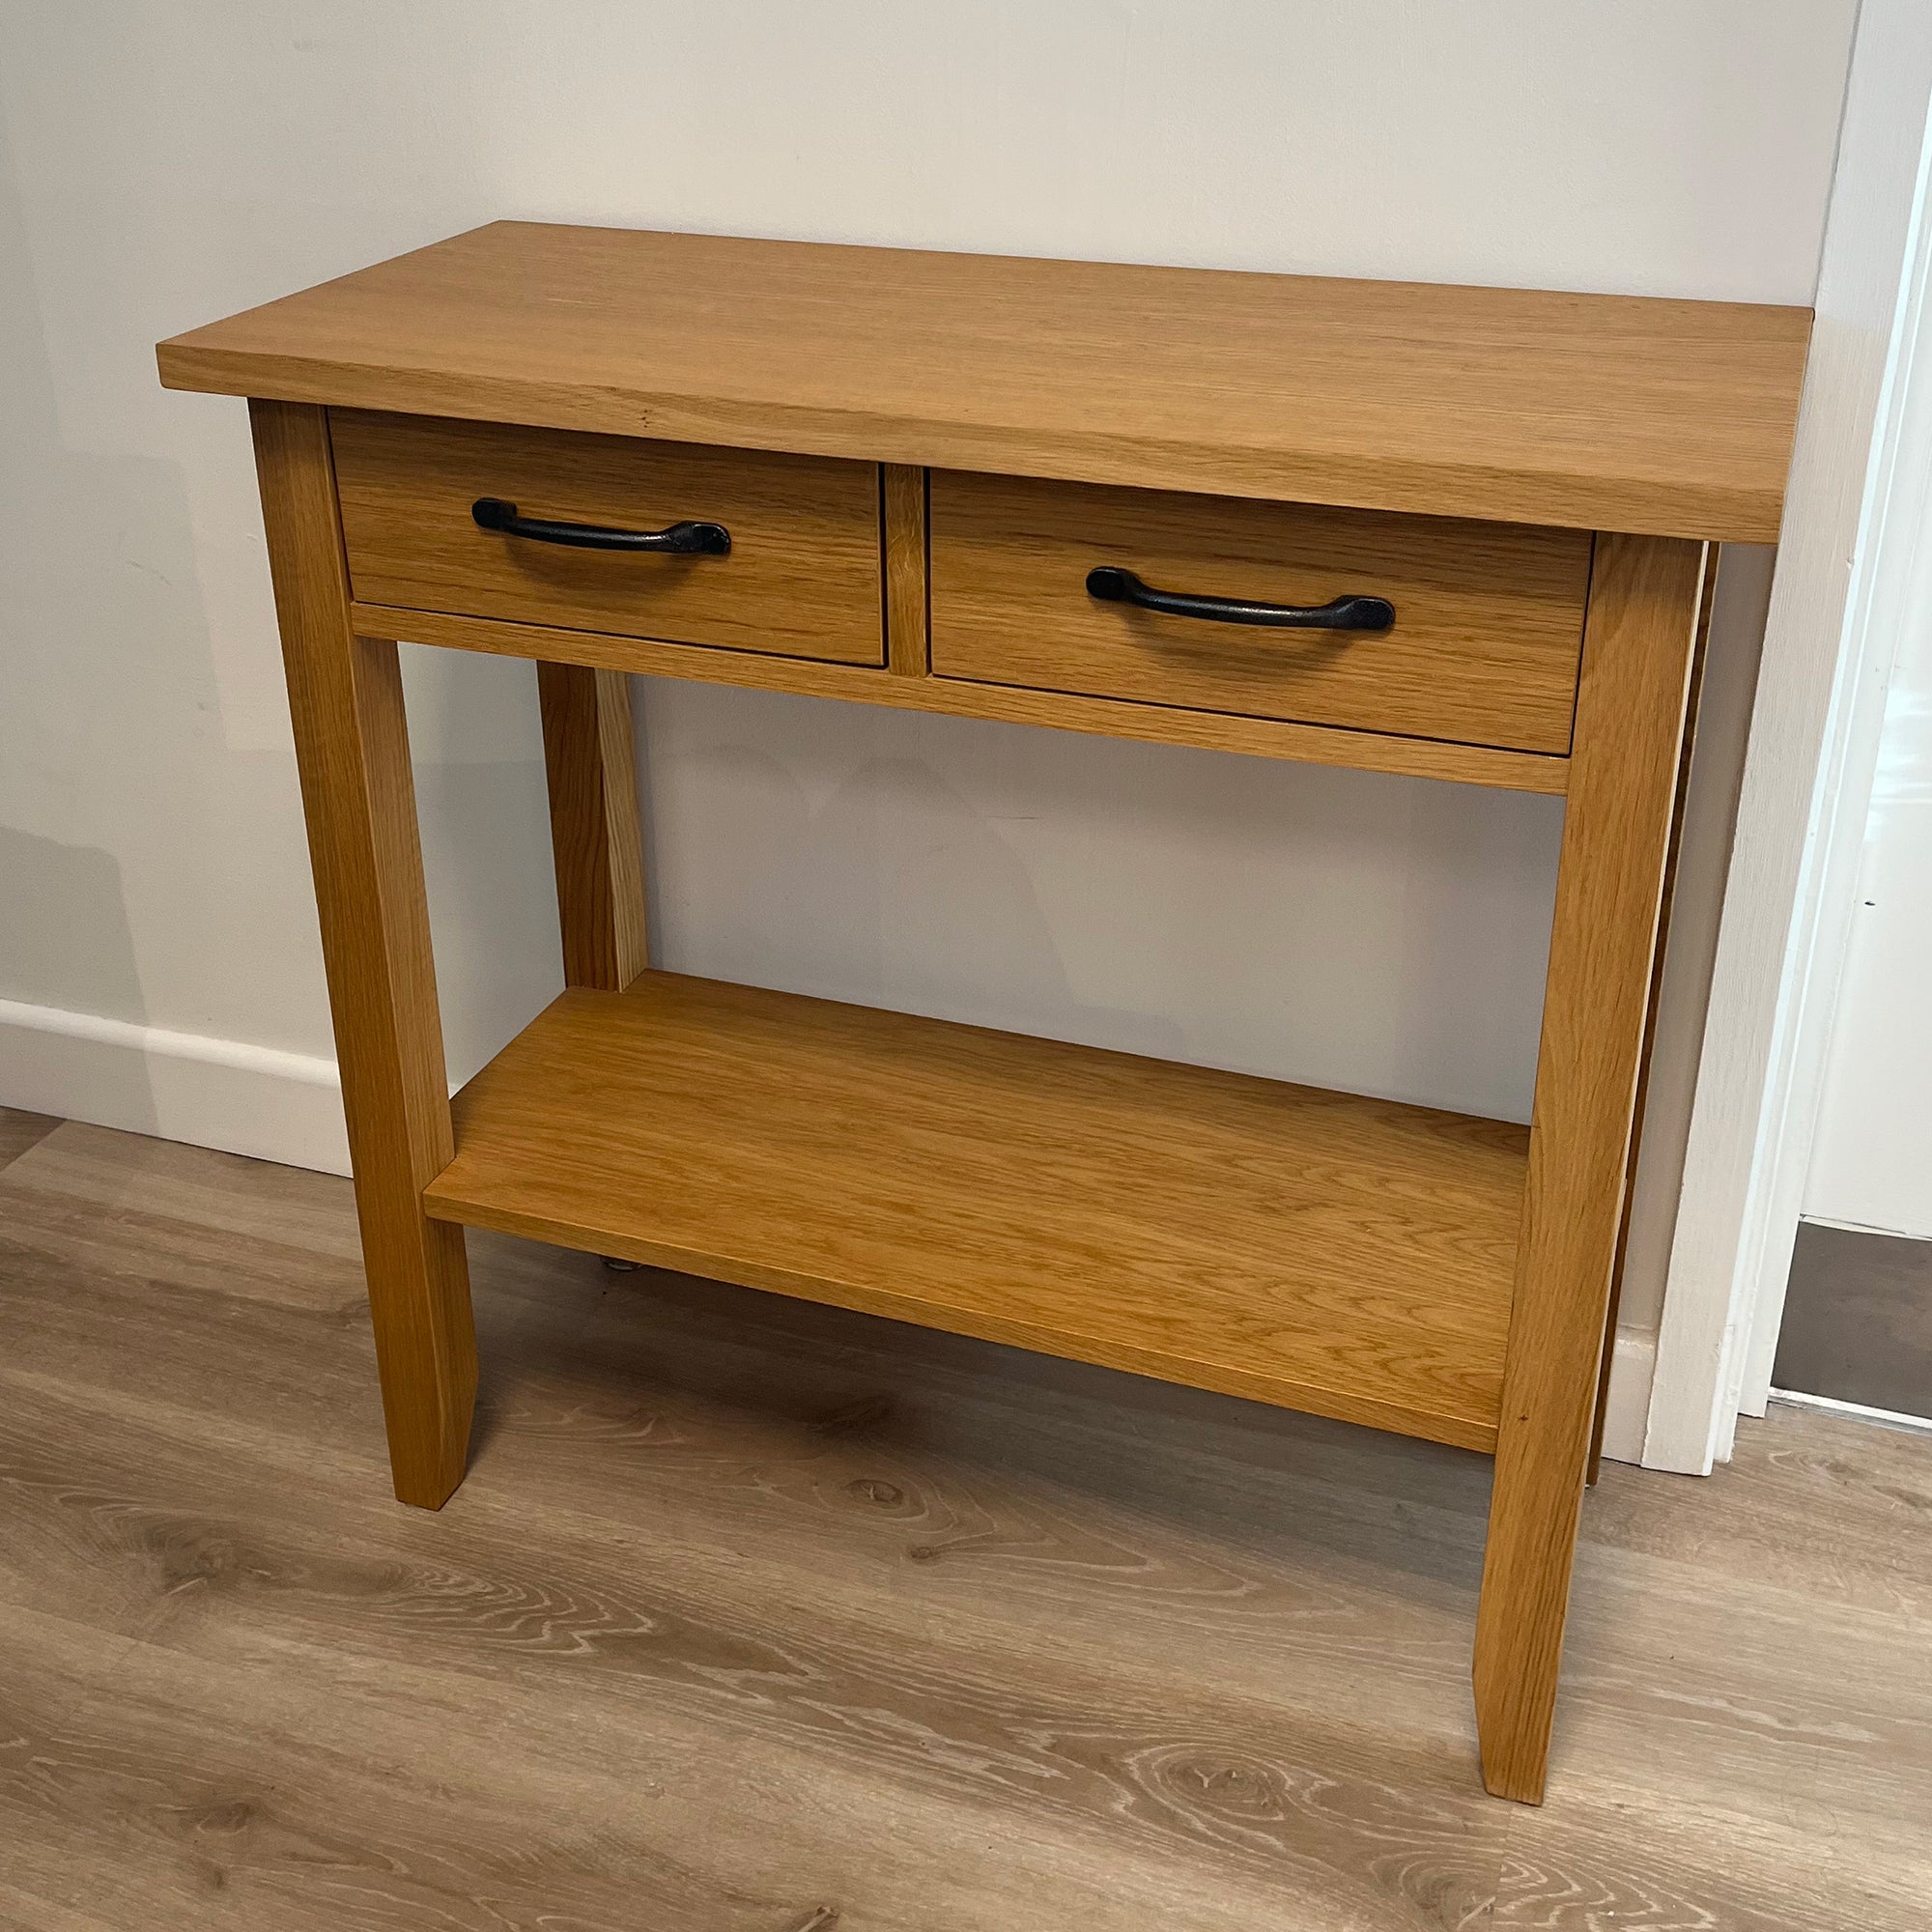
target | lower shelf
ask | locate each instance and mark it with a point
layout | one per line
(1348, 1256)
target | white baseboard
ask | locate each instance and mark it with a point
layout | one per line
(1627, 1408)
(220, 1094)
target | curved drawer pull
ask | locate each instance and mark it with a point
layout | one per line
(492, 513)
(1340, 613)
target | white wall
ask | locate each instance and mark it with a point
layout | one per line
(1872, 1162)
(167, 163)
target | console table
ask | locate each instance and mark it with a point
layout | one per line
(1465, 533)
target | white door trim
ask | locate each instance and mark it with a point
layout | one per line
(1862, 458)
(1886, 577)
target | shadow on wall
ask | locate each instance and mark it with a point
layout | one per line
(892, 889)
(148, 788)
(67, 925)
(1346, 929)
(126, 809)
(484, 809)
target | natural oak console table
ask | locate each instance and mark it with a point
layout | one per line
(1465, 533)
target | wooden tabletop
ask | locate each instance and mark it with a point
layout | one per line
(1597, 412)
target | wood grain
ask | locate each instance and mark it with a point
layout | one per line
(907, 568)
(1483, 651)
(1367, 1262)
(1109, 718)
(1637, 651)
(752, 1606)
(596, 841)
(1346, 1256)
(1593, 412)
(353, 754)
(20, 1130)
(802, 579)
(1692, 701)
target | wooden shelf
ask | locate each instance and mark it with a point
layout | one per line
(1345, 1256)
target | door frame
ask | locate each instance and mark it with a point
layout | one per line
(1862, 472)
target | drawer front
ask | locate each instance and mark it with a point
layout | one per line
(1483, 650)
(802, 576)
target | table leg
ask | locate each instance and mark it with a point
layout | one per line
(351, 750)
(1638, 650)
(1680, 803)
(595, 836)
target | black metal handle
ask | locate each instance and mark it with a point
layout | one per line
(686, 539)
(1340, 613)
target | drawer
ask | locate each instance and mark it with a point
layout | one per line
(1483, 650)
(800, 579)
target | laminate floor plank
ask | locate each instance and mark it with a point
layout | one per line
(243, 1800)
(20, 1130)
(685, 1621)
(583, 1641)
(750, 1606)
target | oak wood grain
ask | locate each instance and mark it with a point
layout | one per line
(596, 839)
(1592, 411)
(1347, 1256)
(1359, 1259)
(802, 578)
(1488, 630)
(1156, 723)
(352, 755)
(903, 508)
(752, 1607)
(1693, 698)
(1644, 612)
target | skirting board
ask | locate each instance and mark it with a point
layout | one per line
(220, 1094)
(287, 1107)
(1627, 1410)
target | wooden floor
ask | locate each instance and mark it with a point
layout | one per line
(755, 1615)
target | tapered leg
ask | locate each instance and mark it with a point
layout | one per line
(1638, 650)
(1679, 804)
(352, 749)
(595, 834)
